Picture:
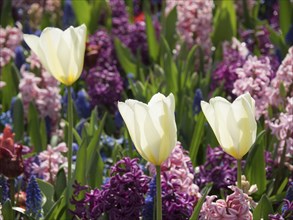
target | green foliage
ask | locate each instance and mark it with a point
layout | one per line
(263, 209)
(224, 19)
(285, 15)
(6, 15)
(18, 119)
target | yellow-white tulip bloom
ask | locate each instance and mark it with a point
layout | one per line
(60, 52)
(233, 124)
(151, 126)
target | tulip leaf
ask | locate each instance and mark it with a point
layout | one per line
(96, 171)
(255, 166)
(34, 128)
(169, 27)
(263, 209)
(224, 19)
(10, 78)
(18, 119)
(43, 133)
(125, 57)
(197, 138)
(57, 209)
(81, 163)
(205, 191)
(153, 44)
(82, 11)
(7, 211)
(60, 183)
(286, 15)
(48, 191)
(6, 15)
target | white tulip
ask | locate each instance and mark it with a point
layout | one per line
(60, 52)
(233, 124)
(151, 126)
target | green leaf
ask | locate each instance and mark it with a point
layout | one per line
(197, 138)
(286, 15)
(43, 133)
(151, 37)
(82, 11)
(7, 210)
(125, 57)
(255, 166)
(57, 209)
(169, 28)
(10, 77)
(81, 163)
(96, 8)
(263, 209)
(205, 191)
(6, 15)
(60, 183)
(48, 191)
(224, 22)
(93, 121)
(18, 120)
(96, 171)
(34, 128)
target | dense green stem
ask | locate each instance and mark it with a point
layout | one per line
(69, 137)
(239, 172)
(12, 190)
(159, 195)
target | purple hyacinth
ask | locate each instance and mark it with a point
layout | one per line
(221, 169)
(33, 199)
(104, 83)
(122, 197)
(4, 189)
(234, 56)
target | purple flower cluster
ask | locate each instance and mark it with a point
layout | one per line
(235, 206)
(104, 83)
(122, 197)
(234, 56)
(179, 193)
(221, 169)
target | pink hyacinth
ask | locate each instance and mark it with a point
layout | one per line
(10, 38)
(179, 168)
(49, 162)
(194, 23)
(284, 76)
(236, 206)
(254, 77)
(42, 90)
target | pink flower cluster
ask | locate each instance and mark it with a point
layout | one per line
(194, 22)
(236, 206)
(10, 38)
(42, 90)
(254, 77)
(49, 162)
(178, 170)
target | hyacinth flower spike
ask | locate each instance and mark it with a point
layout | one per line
(62, 54)
(153, 131)
(234, 125)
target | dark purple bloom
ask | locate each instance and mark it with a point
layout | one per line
(269, 10)
(68, 16)
(148, 210)
(122, 197)
(19, 57)
(82, 104)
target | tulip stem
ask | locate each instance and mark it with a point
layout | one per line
(69, 138)
(159, 196)
(239, 172)
(12, 190)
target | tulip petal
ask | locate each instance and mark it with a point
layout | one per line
(149, 136)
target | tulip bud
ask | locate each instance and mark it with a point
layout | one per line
(151, 126)
(60, 52)
(233, 124)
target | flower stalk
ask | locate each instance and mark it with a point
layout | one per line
(239, 172)
(159, 194)
(69, 136)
